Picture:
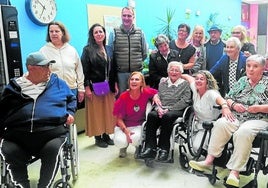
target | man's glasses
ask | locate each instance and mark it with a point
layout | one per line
(182, 30)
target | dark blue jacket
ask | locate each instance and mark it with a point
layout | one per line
(50, 109)
(221, 71)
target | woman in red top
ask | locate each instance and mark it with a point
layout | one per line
(129, 110)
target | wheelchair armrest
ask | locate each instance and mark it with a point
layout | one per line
(207, 125)
(149, 108)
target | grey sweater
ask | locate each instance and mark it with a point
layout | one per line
(175, 97)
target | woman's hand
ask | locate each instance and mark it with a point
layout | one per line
(226, 112)
(262, 108)
(81, 96)
(247, 53)
(128, 134)
(88, 93)
(116, 89)
(161, 112)
(156, 100)
(239, 107)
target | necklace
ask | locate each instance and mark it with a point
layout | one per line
(136, 108)
(180, 46)
(180, 51)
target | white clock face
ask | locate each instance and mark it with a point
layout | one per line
(44, 11)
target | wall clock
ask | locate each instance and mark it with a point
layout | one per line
(41, 12)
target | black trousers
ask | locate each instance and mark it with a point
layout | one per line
(43, 144)
(166, 126)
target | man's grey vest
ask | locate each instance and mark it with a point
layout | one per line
(128, 50)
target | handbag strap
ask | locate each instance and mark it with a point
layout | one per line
(107, 69)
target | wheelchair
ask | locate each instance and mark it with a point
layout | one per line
(179, 135)
(254, 164)
(69, 157)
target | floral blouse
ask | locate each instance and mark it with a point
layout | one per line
(244, 93)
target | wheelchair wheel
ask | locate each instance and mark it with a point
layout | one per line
(74, 156)
(5, 179)
(61, 184)
(190, 134)
(212, 180)
(149, 162)
(184, 162)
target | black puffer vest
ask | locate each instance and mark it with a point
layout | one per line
(128, 49)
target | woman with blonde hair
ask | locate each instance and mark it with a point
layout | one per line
(198, 40)
(205, 97)
(240, 32)
(129, 110)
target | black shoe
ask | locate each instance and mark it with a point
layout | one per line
(137, 152)
(148, 153)
(101, 143)
(163, 155)
(106, 138)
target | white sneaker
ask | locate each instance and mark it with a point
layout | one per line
(123, 152)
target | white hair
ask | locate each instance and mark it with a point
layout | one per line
(175, 64)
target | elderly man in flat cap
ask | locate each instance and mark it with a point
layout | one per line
(214, 47)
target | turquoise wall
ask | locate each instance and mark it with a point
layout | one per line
(73, 13)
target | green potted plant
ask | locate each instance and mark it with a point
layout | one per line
(166, 24)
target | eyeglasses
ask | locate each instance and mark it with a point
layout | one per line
(236, 32)
(182, 30)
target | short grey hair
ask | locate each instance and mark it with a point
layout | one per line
(160, 39)
(236, 41)
(257, 58)
(175, 64)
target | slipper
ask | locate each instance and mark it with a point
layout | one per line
(232, 180)
(200, 166)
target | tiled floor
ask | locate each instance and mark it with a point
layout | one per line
(101, 168)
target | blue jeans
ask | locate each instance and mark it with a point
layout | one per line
(123, 81)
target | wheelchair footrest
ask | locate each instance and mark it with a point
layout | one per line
(250, 167)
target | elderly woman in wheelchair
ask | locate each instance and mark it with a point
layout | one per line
(175, 95)
(248, 101)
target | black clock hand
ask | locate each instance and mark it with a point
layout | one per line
(42, 12)
(41, 4)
